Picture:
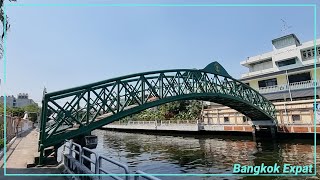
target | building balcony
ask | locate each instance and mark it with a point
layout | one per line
(257, 73)
(292, 86)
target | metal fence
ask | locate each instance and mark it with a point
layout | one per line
(14, 127)
(156, 123)
(78, 152)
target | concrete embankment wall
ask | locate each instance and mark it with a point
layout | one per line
(172, 127)
(223, 129)
(180, 128)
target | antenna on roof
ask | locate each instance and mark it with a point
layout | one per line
(285, 27)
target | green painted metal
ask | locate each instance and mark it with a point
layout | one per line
(216, 68)
(72, 112)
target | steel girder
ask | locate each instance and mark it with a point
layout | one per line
(76, 111)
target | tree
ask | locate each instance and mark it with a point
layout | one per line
(5, 25)
(194, 109)
(15, 111)
(32, 108)
(178, 110)
(33, 111)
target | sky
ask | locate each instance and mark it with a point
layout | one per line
(65, 47)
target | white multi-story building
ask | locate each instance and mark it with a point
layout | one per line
(21, 101)
(287, 72)
(284, 76)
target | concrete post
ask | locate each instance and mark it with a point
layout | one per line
(218, 118)
(156, 124)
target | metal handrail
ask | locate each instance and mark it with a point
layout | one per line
(179, 122)
(97, 161)
(123, 166)
(144, 175)
(83, 156)
(140, 122)
(77, 152)
(71, 149)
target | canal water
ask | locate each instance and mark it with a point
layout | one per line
(205, 154)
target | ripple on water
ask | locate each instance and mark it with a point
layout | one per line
(173, 154)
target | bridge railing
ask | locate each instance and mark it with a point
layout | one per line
(72, 112)
(157, 123)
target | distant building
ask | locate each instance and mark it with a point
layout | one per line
(21, 100)
(287, 72)
(285, 76)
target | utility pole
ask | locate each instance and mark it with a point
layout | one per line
(202, 117)
(288, 84)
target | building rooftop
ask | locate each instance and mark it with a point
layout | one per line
(288, 53)
(285, 41)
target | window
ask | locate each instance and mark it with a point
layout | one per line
(226, 119)
(308, 54)
(268, 82)
(296, 118)
(14, 103)
(244, 119)
(299, 77)
(286, 62)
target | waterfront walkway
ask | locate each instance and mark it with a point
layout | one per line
(21, 153)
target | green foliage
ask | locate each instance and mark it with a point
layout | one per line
(32, 109)
(15, 111)
(5, 25)
(179, 110)
(194, 109)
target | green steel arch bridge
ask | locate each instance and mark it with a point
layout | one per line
(77, 111)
